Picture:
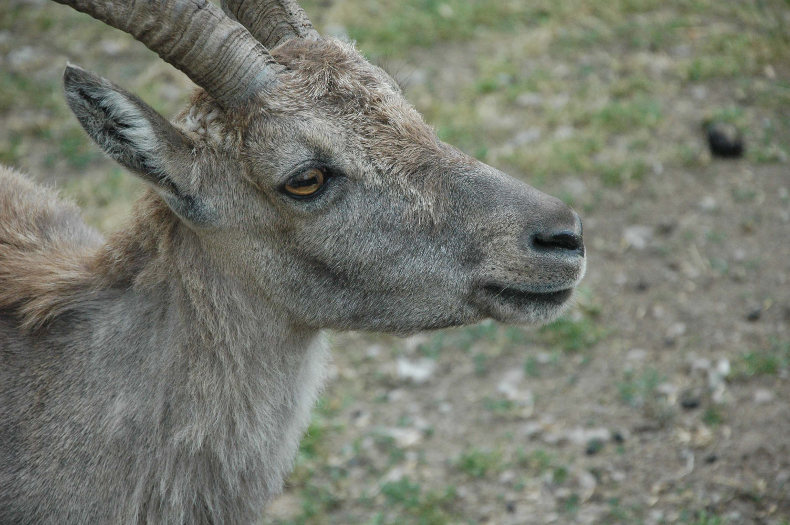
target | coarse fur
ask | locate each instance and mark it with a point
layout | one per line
(166, 375)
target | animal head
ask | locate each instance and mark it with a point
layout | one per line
(303, 172)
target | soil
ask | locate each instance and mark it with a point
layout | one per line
(663, 399)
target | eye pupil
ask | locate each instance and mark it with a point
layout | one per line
(306, 183)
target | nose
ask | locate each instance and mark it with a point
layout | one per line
(563, 236)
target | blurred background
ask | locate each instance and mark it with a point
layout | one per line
(663, 395)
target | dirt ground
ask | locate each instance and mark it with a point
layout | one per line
(662, 396)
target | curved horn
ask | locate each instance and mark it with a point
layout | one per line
(272, 22)
(195, 36)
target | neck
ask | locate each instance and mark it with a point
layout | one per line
(236, 378)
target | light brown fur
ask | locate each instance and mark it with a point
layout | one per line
(166, 375)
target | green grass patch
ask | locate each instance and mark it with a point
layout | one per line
(388, 28)
(573, 335)
(413, 504)
(478, 463)
(766, 362)
(638, 389)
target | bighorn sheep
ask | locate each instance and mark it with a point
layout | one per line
(167, 374)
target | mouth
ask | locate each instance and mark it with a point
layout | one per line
(511, 303)
(524, 298)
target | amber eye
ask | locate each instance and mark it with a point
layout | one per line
(306, 183)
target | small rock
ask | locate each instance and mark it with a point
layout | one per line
(526, 136)
(676, 330)
(763, 396)
(529, 100)
(700, 363)
(508, 386)
(708, 203)
(666, 226)
(507, 477)
(22, 56)
(724, 140)
(445, 11)
(532, 429)
(373, 351)
(690, 399)
(702, 436)
(112, 47)
(564, 132)
(418, 371)
(404, 437)
(587, 484)
(582, 436)
(560, 101)
(575, 186)
(637, 236)
(636, 354)
(754, 314)
(699, 92)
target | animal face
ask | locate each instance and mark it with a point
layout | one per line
(328, 195)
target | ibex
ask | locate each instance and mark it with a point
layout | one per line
(167, 374)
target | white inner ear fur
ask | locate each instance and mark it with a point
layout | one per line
(138, 130)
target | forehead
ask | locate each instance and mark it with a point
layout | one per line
(329, 80)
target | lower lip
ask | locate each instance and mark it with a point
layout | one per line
(512, 295)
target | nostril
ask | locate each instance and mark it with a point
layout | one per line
(562, 240)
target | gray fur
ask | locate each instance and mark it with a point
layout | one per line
(166, 375)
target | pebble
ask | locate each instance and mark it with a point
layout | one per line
(582, 436)
(22, 56)
(708, 203)
(754, 314)
(560, 101)
(529, 100)
(690, 399)
(564, 133)
(576, 187)
(418, 371)
(508, 386)
(637, 236)
(112, 47)
(527, 136)
(404, 437)
(724, 140)
(676, 330)
(763, 396)
(373, 351)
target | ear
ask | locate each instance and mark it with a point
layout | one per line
(136, 136)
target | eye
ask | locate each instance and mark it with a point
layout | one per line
(306, 183)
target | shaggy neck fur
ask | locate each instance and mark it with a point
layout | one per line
(179, 361)
(236, 383)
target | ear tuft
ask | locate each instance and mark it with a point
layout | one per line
(121, 124)
(133, 134)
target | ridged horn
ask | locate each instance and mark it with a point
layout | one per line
(195, 36)
(272, 22)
